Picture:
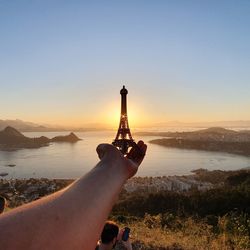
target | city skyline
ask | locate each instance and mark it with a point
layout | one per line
(65, 62)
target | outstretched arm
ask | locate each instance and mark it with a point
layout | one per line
(72, 218)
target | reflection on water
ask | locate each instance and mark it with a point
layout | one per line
(65, 160)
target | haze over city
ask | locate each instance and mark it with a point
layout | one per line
(65, 62)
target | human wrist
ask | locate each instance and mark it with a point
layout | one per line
(114, 168)
(123, 166)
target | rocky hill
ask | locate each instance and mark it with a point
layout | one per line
(12, 139)
(211, 139)
(67, 138)
(209, 134)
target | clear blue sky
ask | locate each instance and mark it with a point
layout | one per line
(64, 62)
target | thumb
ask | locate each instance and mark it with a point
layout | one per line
(104, 149)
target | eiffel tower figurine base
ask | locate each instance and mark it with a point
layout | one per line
(123, 145)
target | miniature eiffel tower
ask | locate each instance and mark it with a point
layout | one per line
(123, 140)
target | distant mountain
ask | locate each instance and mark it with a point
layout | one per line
(10, 136)
(67, 138)
(9, 131)
(217, 130)
(225, 124)
(211, 139)
(209, 134)
(23, 126)
(12, 139)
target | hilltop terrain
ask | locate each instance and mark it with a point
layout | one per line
(12, 139)
(209, 134)
(25, 126)
(211, 139)
(161, 219)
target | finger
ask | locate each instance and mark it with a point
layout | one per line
(131, 153)
(101, 150)
(140, 143)
(119, 237)
(137, 153)
(143, 150)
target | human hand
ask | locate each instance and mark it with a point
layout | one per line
(127, 244)
(128, 164)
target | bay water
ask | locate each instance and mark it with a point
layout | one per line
(67, 160)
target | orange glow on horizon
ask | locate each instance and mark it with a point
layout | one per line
(112, 113)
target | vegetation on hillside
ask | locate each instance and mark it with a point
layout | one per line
(214, 219)
(218, 218)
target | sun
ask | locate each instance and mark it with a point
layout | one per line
(113, 113)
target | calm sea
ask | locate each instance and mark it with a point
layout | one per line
(65, 160)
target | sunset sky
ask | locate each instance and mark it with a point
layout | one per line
(64, 62)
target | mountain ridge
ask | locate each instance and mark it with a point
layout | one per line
(12, 139)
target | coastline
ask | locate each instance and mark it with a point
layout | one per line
(236, 148)
(21, 191)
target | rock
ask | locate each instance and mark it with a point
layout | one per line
(3, 174)
(12, 132)
(10, 165)
(67, 138)
(11, 139)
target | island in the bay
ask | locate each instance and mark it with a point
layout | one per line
(12, 139)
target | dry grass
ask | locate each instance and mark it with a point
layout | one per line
(192, 235)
